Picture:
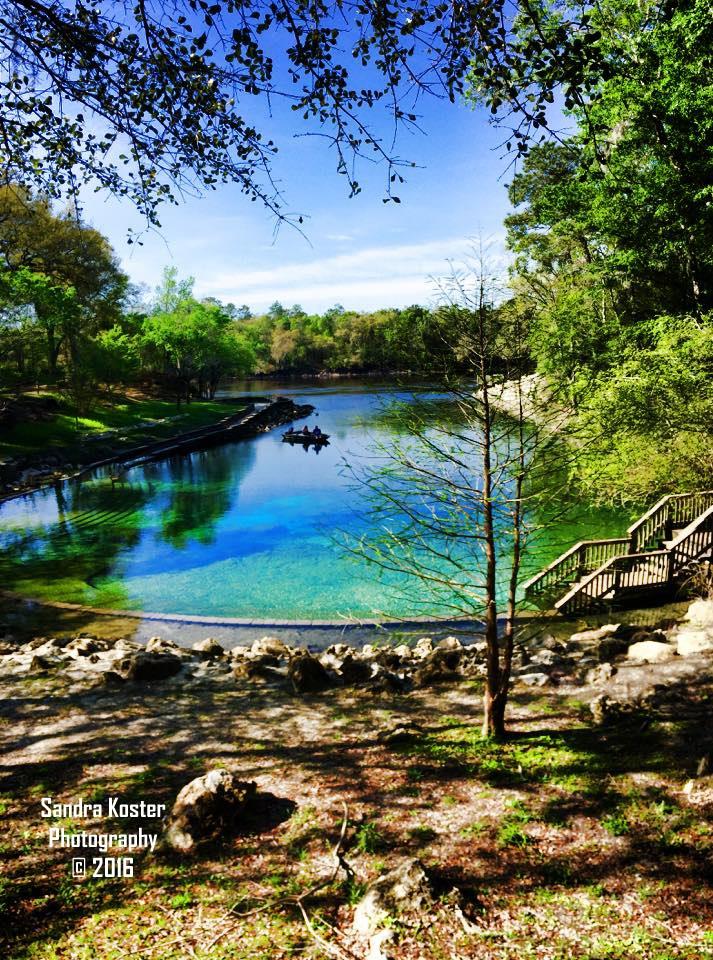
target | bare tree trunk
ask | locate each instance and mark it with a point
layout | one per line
(491, 726)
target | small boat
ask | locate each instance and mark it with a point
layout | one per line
(299, 436)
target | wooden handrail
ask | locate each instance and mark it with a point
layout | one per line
(582, 547)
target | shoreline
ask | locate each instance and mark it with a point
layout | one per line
(245, 424)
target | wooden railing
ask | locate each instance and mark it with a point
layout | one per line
(634, 571)
(657, 523)
(580, 559)
(635, 562)
(692, 543)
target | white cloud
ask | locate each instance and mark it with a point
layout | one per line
(395, 275)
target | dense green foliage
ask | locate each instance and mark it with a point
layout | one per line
(613, 238)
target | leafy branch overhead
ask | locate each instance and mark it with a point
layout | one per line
(151, 100)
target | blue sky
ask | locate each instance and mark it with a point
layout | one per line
(360, 252)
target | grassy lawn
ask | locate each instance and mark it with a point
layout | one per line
(127, 416)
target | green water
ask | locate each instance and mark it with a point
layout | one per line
(245, 530)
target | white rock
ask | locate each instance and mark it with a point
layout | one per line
(237, 653)
(650, 651)
(450, 643)
(700, 613)
(599, 633)
(545, 657)
(271, 646)
(693, 641)
(534, 679)
(403, 651)
(208, 648)
(404, 888)
(423, 647)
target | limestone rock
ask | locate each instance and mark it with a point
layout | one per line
(601, 674)
(146, 667)
(354, 671)
(404, 889)
(650, 651)
(611, 647)
(534, 679)
(83, 646)
(437, 667)
(403, 651)
(209, 649)
(271, 645)
(604, 710)
(693, 641)
(161, 645)
(205, 808)
(590, 636)
(449, 643)
(423, 647)
(239, 652)
(306, 674)
(399, 732)
(700, 613)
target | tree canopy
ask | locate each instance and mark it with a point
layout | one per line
(148, 100)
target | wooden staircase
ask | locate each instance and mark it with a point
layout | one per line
(659, 552)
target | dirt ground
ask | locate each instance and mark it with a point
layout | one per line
(566, 841)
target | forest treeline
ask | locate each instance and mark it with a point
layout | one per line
(71, 318)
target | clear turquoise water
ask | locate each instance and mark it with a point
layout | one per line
(245, 530)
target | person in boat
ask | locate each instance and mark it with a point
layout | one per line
(317, 432)
(305, 430)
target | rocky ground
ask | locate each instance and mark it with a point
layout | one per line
(359, 814)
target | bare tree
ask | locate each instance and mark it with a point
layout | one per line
(449, 495)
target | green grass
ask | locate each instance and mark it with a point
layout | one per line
(122, 414)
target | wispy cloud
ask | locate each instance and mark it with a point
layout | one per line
(362, 279)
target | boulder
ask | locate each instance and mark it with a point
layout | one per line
(306, 674)
(84, 646)
(438, 667)
(205, 809)
(271, 645)
(339, 649)
(208, 649)
(609, 648)
(353, 671)
(700, 613)
(39, 664)
(693, 641)
(160, 645)
(534, 679)
(423, 647)
(590, 636)
(146, 667)
(238, 652)
(604, 710)
(601, 674)
(545, 658)
(449, 643)
(403, 651)
(650, 651)
(401, 731)
(405, 889)
(383, 679)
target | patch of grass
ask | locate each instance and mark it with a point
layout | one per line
(181, 901)
(616, 824)
(368, 838)
(511, 834)
(121, 414)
